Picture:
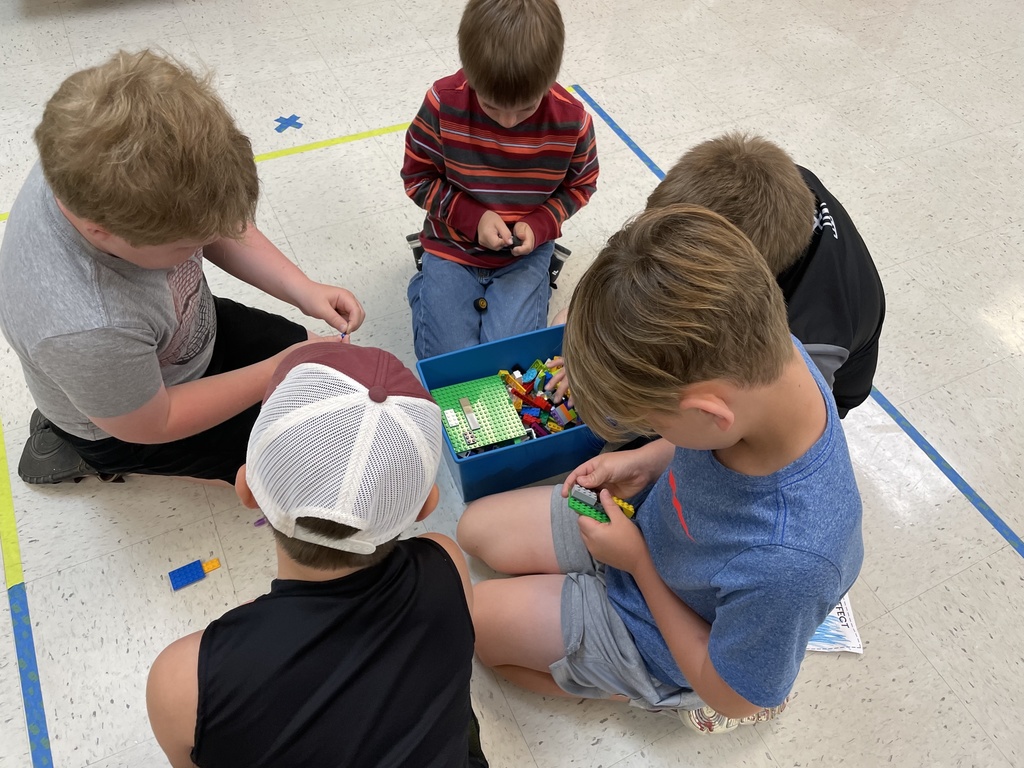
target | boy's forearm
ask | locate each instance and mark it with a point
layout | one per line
(687, 636)
(187, 409)
(258, 262)
(657, 455)
(575, 191)
(199, 405)
(439, 198)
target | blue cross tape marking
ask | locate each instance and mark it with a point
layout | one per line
(31, 691)
(954, 477)
(944, 466)
(619, 132)
(287, 122)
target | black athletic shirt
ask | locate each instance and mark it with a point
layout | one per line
(834, 299)
(370, 670)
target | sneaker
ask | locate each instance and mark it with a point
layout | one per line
(37, 422)
(558, 259)
(413, 241)
(707, 720)
(48, 458)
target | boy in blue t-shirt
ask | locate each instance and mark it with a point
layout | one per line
(751, 531)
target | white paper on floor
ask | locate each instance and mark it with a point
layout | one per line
(838, 632)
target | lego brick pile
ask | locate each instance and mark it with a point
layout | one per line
(540, 416)
(503, 409)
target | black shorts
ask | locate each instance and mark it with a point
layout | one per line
(244, 336)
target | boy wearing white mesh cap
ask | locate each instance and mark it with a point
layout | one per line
(361, 653)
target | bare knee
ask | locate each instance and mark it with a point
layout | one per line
(472, 530)
(518, 621)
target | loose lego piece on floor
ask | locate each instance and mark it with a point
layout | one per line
(211, 565)
(187, 574)
(580, 508)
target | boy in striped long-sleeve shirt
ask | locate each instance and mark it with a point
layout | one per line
(497, 149)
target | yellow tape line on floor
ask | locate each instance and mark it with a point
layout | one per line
(330, 142)
(313, 145)
(8, 527)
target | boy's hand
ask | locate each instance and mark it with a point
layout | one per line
(619, 542)
(623, 473)
(335, 306)
(492, 232)
(524, 233)
(560, 384)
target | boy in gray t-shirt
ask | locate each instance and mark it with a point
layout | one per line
(133, 364)
(751, 533)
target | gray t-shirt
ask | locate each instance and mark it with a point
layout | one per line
(96, 335)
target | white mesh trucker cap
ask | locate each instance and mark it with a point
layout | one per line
(346, 434)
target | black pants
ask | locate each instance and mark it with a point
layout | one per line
(244, 336)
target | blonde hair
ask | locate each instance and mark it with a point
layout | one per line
(678, 296)
(511, 50)
(755, 185)
(142, 147)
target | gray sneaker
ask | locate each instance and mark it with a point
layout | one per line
(707, 720)
(48, 458)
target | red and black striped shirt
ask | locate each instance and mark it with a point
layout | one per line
(459, 163)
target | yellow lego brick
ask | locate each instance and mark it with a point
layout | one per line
(510, 380)
(553, 426)
(211, 565)
(625, 506)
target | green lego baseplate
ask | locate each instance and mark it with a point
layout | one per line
(498, 420)
(580, 508)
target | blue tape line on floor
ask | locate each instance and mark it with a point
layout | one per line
(31, 692)
(954, 477)
(588, 99)
(944, 466)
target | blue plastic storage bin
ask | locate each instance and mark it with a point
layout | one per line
(515, 465)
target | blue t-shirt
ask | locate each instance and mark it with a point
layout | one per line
(762, 559)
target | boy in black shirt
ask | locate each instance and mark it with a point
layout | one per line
(835, 303)
(361, 653)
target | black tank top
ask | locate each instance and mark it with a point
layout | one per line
(367, 671)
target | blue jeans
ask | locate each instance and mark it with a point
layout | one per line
(443, 295)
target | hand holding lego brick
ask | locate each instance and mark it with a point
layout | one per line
(618, 543)
(528, 240)
(623, 474)
(337, 307)
(492, 232)
(559, 387)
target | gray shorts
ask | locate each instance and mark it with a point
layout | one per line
(601, 658)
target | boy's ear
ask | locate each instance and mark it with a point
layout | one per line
(429, 505)
(712, 404)
(242, 489)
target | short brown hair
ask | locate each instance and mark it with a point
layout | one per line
(511, 50)
(325, 558)
(678, 296)
(145, 149)
(755, 185)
